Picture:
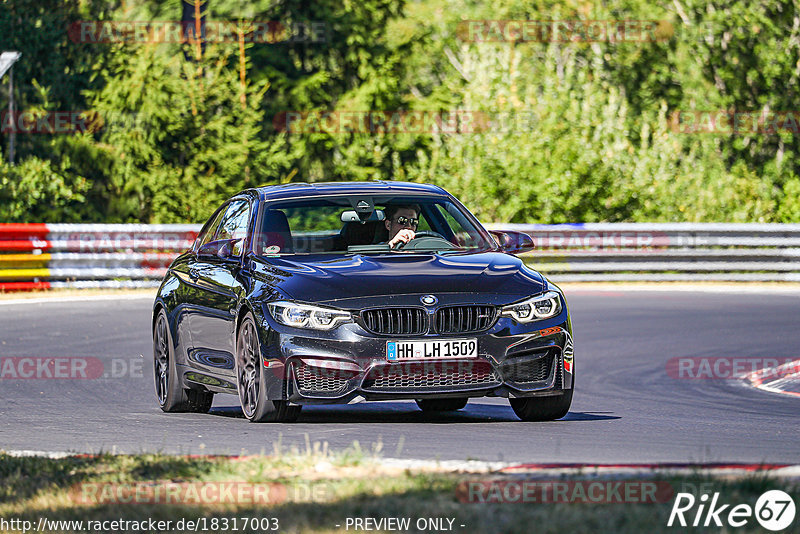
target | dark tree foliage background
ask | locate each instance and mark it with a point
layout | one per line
(582, 130)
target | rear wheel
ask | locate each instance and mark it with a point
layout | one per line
(542, 408)
(171, 395)
(441, 405)
(250, 380)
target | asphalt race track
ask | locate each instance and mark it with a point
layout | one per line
(627, 406)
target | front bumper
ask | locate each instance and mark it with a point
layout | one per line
(514, 360)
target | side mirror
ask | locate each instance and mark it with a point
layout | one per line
(513, 242)
(222, 249)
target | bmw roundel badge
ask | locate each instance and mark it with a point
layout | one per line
(428, 300)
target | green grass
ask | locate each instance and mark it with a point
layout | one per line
(320, 490)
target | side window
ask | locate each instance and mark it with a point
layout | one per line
(207, 235)
(234, 224)
(424, 225)
(458, 225)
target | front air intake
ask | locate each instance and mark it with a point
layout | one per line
(395, 321)
(464, 319)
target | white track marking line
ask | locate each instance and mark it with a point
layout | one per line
(87, 298)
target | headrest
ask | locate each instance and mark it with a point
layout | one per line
(354, 233)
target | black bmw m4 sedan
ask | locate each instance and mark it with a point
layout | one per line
(343, 292)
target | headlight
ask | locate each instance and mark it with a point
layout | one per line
(535, 308)
(305, 316)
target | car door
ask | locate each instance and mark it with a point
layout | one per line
(219, 287)
(186, 292)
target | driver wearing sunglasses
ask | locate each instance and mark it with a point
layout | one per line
(401, 222)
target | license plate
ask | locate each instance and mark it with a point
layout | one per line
(431, 350)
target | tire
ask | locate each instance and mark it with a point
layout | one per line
(542, 408)
(170, 393)
(250, 380)
(441, 405)
(200, 401)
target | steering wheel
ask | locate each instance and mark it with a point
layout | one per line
(429, 233)
(426, 242)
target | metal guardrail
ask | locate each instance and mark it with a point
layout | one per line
(664, 251)
(43, 256)
(40, 256)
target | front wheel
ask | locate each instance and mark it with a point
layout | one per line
(250, 380)
(542, 408)
(441, 405)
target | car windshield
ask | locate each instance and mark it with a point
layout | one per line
(364, 225)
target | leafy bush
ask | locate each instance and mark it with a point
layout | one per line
(581, 131)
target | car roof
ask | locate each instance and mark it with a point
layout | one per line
(302, 189)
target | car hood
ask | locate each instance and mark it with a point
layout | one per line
(325, 279)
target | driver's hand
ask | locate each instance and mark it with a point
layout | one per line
(403, 236)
